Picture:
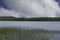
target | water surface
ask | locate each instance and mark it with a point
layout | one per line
(31, 24)
(37, 24)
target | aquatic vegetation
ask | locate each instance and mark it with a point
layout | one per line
(23, 34)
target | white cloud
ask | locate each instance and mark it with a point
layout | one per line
(6, 12)
(34, 8)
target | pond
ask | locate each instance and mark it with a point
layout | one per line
(31, 24)
(34, 25)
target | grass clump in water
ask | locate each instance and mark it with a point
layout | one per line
(22, 34)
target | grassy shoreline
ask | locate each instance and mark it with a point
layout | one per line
(6, 29)
(22, 34)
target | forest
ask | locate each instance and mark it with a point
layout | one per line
(8, 18)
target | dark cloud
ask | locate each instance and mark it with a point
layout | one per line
(2, 4)
(58, 2)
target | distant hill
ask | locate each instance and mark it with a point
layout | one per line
(8, 18)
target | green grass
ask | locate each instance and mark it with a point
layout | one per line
(29, 19)
(21, 34)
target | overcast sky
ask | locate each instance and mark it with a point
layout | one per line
(30, 8)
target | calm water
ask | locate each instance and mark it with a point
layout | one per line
(31, 24)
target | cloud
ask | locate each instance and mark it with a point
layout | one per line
(34, 8)
(6, 12)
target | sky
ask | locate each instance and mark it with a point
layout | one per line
(30, 8)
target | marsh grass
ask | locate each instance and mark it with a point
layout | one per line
(22, 34)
